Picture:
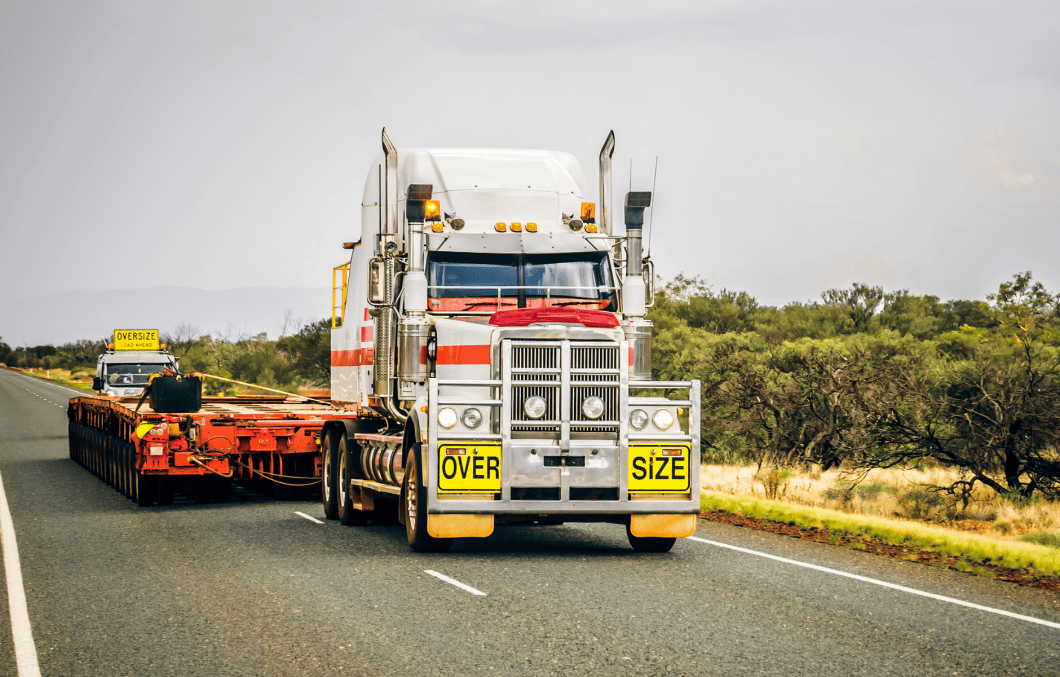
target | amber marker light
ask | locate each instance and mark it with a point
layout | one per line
(456, 451)
(501, 227)
(531, 227)
(671, 452)
(588, 212)
(433, 211)
(517, 227)
(437, 227)
(591, 228)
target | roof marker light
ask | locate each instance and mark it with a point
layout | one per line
(531, 227)
(589, 212)
(501, 227)
(517, 227)
(437, 227)
(591, 228)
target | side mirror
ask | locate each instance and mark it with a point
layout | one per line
(377, 283)
(97, 383)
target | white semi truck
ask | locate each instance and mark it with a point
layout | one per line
(490, 334)
(129, 361)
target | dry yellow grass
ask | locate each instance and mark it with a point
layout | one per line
(888, 493)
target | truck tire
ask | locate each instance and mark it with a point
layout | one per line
(415, 492)
(348, 515)
(648, 543)
(329, 466)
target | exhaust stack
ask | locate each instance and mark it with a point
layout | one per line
(605, 183)
(383, 355)
(634, 303)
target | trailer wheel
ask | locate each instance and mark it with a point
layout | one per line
(348, 515)
(416, 508)
(648, 543)
(108, 454)
(123, 468)
(146, 490)
(130, 469)
(328, 485)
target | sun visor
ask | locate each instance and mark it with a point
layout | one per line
(513, 243)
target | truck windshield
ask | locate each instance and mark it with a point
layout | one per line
(461, 282)
(131, 374)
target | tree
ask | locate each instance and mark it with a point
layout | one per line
(861, 301)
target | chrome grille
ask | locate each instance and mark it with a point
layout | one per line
(594, 372)
(536, 369)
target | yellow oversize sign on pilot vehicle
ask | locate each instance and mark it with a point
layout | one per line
(469, 469)
(136, 339)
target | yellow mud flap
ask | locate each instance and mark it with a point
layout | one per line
(660, 526)
(460, 526)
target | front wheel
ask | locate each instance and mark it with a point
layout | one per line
(649, 543)
(328, 485)
(416, 508)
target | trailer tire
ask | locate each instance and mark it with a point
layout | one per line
(328, 485)
(649, 543)
(348, 515)
(415, 493)
(130, 469)
(164, 490)
(146, 490)
(123, 469)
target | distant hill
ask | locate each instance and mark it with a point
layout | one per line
(70, 316)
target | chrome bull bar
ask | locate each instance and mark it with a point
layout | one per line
(494, 397)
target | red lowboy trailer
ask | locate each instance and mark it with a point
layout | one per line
(149, 456)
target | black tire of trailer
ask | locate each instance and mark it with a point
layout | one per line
(97, 452)
(108, 467)
(130, 468)
(348, 452)
(71, 439)
(328, 467)
(415, 493)
(146, 490)
(649, 543)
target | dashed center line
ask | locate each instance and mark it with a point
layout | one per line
(308, 517)
(61, 406)
(452, 581)
(885, 584)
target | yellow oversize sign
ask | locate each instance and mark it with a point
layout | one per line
(136, 339)
(470, 469)
(659, 469)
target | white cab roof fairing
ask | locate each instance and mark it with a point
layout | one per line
(486, 185)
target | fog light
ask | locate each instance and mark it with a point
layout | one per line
(593, 407)
(663, 419)
(638, 418)
(471, 418)
(447, 418)
(534, 407)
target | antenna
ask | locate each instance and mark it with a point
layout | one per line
(647, 245)
(631, 175)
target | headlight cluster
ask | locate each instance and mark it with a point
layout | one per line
(534, 407)
(663, 419)
(470, 417)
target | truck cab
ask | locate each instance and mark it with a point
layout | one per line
(491, 330)
(131, 358)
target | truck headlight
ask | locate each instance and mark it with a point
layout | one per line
(447, 417)
(534, 407)
(593, 407)
(471, 418)
(638, 418)
(663, 419)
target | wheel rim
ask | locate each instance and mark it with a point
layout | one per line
(343, 479)
(327, 475)
(410, 498)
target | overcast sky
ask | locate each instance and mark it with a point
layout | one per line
(801, 145)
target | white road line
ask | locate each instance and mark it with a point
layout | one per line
(21, 630)
(458, 584)
(884, 584)
(308, 517)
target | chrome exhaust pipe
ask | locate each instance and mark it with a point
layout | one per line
(605, 183)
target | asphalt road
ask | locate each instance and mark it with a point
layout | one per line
(252, 588)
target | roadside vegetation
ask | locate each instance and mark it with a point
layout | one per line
(877, 405)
